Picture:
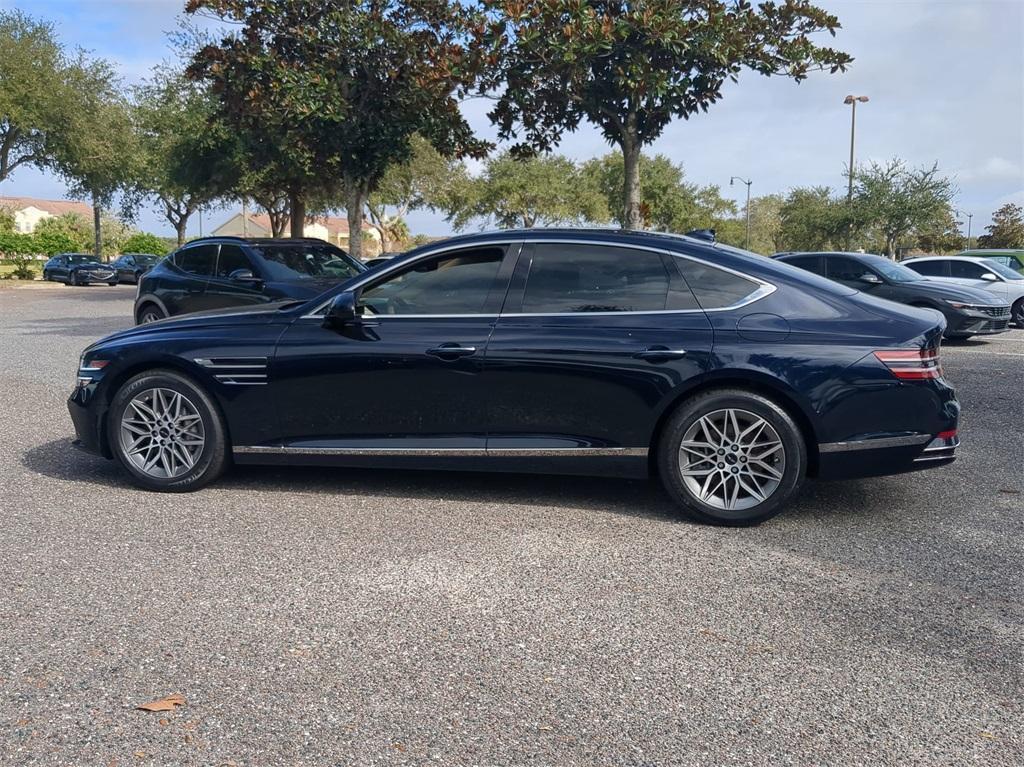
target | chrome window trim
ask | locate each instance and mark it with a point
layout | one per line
(764, 289)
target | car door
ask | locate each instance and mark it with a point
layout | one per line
(185, 292)
(223, 290)
(59, 270)
(973, 273)
(860, 276)
(123, 268)
(406, 377)
(591, 338)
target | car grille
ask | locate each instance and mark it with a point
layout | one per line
(995, 311)
(996, 325)
(100, 274)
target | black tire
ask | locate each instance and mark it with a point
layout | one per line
(73, 279)
(46, 276)
(150, 313)
(687, 415)
(214, 456)
(1017, 313)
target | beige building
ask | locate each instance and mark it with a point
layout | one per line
(29, 211)
(333, 229)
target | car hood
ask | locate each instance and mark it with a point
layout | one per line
(264, 314)
(954, 292)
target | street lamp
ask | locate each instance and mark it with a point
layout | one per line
(969, 217)
(852, 101)
(746, 243)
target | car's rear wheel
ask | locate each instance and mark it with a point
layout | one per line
(150, 313)
(167, 432)
(731, 457)
(1017, 313)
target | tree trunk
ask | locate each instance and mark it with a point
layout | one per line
(298, 213)
(97, 238)
(179, 228)
(631, 218)
(385, 240)
(354, 210)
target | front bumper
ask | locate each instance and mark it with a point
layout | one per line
(96, 276)
(88, 416)
(978, 322)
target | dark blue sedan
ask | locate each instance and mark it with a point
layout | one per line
(730, 376)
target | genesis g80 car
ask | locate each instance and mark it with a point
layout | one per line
(730, 376)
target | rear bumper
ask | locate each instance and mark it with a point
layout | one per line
(882, 456)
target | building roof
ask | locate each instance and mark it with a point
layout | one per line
(335, 225)
(53, 207)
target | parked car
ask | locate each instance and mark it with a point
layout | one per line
(218, 272)
(968, 311)
(984, 273)
(78, 269)
(131, 266)
(1011, 257)
(730, 376)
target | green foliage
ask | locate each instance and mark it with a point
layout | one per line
(41, 243)
(76, 234)
(1006, 229)
(668, 202)
(513, 192)
(810, 218)
(766, 224)
(895, 200)
(6, 219)
(631, 68)
(426, 180)
(144, 242)
(44, 90)
(186, 157)
(338, 99)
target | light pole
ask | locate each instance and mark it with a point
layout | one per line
(969, 217)
(746, 243)
(852, 101)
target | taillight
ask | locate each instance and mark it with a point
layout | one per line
(911, 364)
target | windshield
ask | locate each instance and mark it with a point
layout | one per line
(81, 259)
(1003, 271)
(891, 270)
(307, 261)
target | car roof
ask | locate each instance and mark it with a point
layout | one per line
(254, 240)
(939, 258)
(822, 253)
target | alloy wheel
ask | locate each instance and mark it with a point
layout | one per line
(732, 459)
(162, 433)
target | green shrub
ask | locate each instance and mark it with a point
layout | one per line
(144, 242)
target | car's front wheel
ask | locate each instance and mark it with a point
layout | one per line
(731, 457)
(150, 313)
(1017, 313)
(167, 432)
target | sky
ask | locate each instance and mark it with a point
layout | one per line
(945, 80)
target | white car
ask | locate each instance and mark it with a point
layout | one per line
(985, 273)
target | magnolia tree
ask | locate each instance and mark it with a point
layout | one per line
(632, 68)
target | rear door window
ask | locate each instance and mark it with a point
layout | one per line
(199, 260)
(930, 268)
(579, 278)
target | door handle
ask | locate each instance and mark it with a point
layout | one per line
(660, 354)
(451, 351)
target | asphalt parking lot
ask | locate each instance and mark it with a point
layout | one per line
(331, 617)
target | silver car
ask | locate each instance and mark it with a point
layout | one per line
(985, 273)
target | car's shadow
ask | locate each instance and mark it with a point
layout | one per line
(638, 498)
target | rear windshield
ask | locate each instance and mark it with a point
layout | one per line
(307, 261)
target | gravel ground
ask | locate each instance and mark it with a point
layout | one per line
(314, 617)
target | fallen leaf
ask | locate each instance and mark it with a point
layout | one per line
(1008, 490)
(986, 734)
(164, 722)
(140, 754)
(22, 722)
(545, 728)
(163, 704)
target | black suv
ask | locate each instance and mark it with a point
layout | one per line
(220, 272)
(131, 266)
(968, 311)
